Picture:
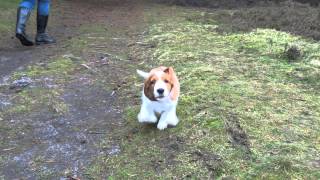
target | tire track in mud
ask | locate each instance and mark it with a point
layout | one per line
(237, 136)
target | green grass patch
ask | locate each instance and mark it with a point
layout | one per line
(60, 67)
(5, 25)
(40, 96)
(6, 5)
(242, 100)
(36, 99)
(7, 15)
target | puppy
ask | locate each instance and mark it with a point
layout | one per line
(160, 95)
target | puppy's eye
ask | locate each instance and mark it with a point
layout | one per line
(153, 82)
(166, 81)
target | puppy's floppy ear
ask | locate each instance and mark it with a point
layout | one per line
(143, 74)
(175, 83)
(169, 70)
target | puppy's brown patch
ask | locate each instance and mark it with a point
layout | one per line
(173, 84)
(149, 87)
(168, 80)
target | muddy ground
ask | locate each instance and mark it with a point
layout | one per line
(50, 144)
(232, 3)
(301, 17)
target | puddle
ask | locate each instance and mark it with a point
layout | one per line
(4, 104)
(61, 151)
(4, 59)
(4, 81)
(114, 150)
(24, 159)
(22, 82)
(48, 83)
(45, 132)
(19, 165)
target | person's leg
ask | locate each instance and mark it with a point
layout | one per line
(23, 14)
(42, 21)
(44, 7)
(27, 4)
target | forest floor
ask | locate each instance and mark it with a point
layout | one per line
(250, 103)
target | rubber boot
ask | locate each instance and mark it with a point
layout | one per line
(42, 37)
(23, 15)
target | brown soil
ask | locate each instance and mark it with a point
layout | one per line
(231, 3)
(293, 17)
(237, 135)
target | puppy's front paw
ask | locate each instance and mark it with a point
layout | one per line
(162, 125)
(173, 121)
(146, 119)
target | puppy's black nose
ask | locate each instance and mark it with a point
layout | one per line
(160, 91)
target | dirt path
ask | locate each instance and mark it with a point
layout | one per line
(47, 144)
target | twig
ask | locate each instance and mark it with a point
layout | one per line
(89, 68)
(95, 132)
(8, 149)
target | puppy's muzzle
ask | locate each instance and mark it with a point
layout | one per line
(160, 91)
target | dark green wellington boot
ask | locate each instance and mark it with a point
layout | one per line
(23, 15)
(42, 37)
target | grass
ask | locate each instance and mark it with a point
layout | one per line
(7, 8)
(41, 96)
(5, 5)
(59, 67)
(242, 100)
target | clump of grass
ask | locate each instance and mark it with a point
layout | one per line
(292, 53)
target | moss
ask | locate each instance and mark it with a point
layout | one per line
(38, 97)
(7, 9)
(59, 67)
(5, 5)
(5, 26)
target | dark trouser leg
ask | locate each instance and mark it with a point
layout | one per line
(42, 20)
(23, 15)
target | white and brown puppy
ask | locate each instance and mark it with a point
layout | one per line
(160, 95)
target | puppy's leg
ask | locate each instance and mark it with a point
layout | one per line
(168, 118)
(146, 115)
(162, 124)
(172, 118)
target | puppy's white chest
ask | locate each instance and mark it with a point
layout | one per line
(160, 107)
